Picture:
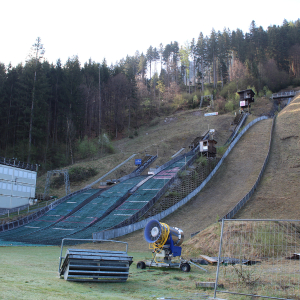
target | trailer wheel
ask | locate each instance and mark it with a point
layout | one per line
(141, 265)
(185, 267)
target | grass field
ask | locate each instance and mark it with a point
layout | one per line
(32, 273)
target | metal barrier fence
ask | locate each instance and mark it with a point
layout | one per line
(259, 258)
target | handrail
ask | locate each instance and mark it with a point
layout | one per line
(284, 94)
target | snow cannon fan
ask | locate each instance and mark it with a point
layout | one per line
(164, 240)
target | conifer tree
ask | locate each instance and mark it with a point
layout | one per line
(36, 55)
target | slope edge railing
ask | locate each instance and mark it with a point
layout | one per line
(237, 129)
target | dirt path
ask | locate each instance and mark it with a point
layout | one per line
(233, 180)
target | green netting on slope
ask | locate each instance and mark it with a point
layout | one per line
(83, 217)
(136, 201)
(50, 217)
(73, 225)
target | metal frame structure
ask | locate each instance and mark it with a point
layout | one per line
(66, 179)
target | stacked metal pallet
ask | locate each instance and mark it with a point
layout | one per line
(95, 265)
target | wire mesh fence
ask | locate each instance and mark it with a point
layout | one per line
(187, 181)
(260, 258)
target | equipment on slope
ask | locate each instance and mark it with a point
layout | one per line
(165, 242)
(94, 265)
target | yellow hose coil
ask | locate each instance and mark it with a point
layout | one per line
(158, 245)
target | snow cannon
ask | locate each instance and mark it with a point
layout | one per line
(163, 239)
(165, 242)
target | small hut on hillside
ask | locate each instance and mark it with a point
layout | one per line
(246, 97)
(207, 148)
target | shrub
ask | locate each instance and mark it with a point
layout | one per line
(229, 106)
(173, 194)
(105, 144)
(207, 92)
(229, 90)
(76, 174)
(267, 92)
(154, 122)
(221, 150)
(201, 160)
(80, 173)
(110, 149)
(220, 105)
(87, 148)
(181, 174)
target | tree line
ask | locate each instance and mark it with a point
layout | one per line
(47, 110)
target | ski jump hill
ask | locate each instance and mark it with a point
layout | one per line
(117, 210)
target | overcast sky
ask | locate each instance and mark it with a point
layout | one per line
(112, 29)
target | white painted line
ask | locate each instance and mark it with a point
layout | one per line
(62, 229)
(32, 227)
(122, 214)
(138, 201)
(71, 202)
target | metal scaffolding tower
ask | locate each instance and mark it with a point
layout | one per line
(58, 172)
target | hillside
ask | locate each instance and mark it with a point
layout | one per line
(277, 196)
(237, 174)
(164, 136)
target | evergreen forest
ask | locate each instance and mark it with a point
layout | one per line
(55, 114)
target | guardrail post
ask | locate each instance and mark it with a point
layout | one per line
(219, 259)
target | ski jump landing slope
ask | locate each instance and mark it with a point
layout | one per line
(228, 186)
